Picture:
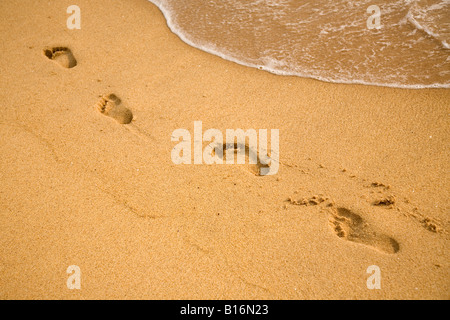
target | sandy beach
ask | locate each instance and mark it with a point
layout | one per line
(87, 178)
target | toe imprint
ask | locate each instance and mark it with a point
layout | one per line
(111, 106)
(61, 55)
(350, 226)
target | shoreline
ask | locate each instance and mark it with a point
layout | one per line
(361, 168)
(210, 48)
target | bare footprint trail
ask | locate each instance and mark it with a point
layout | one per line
(346, 224)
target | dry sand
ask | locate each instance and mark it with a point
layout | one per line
(363, 181)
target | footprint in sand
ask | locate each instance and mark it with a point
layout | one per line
(251, 157)
(111, 106)
(61, 55)
(350, 226)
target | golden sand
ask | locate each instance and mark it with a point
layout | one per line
(87, 179)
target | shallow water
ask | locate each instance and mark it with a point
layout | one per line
(325, 40)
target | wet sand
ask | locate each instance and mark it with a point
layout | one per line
(87, 177)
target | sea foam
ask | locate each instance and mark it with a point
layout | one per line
(324, 40)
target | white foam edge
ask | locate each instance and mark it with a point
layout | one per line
(176, 30)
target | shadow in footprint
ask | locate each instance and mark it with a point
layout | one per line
(350, 226)
(111, 106)
(249, 155)
(61, 55)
